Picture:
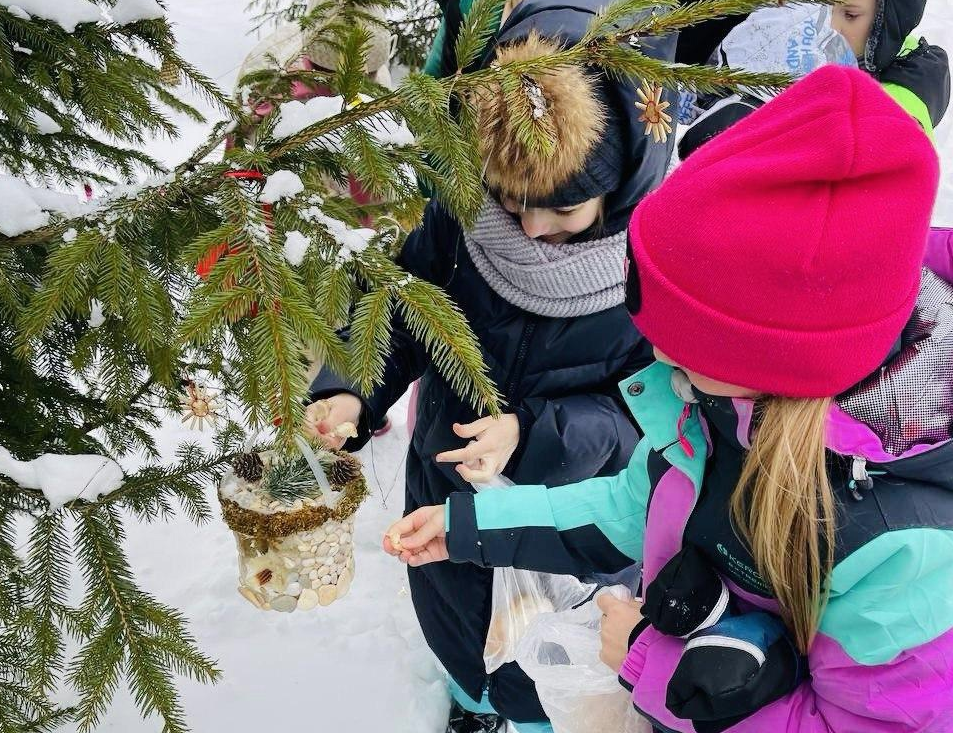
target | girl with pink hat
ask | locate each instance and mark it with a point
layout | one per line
(791, 499)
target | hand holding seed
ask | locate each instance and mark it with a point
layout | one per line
(418, 539)
(395, 538)
(333, 420)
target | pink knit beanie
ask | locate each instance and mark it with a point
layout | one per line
(784, 255)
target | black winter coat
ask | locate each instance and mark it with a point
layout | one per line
(558, 375)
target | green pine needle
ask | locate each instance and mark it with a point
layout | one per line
(290, 481)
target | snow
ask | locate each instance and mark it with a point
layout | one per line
(97, 318)
(24, 207)
(45, 124)
(132, 190)
(67, 13)
(281, 185)
(64, 478)
(69, 235)
(296, 245)
(129, 11)
(295, 116)
(18, 12)
(390, 132)
(352, 241)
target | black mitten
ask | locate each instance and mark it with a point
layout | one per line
(686, 596)
(733, 669)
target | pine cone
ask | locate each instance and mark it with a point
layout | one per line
(248, 466)
(346, 468)
(169, 73)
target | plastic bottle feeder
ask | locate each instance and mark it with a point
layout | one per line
(297, 555)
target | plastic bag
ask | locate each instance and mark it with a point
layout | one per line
(580, 694)
(796, 38)
(518, 596)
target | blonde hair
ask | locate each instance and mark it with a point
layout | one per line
(784, 506)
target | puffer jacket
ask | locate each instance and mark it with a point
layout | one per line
(911, 70)
(882, 657)
(558, 375)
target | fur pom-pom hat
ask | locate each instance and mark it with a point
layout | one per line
(586, 157)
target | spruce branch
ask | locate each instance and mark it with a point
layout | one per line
(369, 342)
(478, 27)
(290, 480)
(436, 321)
(610, 19)
(677, 17)
(47, 569)
(126, 642)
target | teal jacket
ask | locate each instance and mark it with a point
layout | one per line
(882, 659)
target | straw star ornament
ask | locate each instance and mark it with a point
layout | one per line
(652, 112)
(199, 406)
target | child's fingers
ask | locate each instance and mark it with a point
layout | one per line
(405, 525)
(416, 561)
(317, 411)
(311, 428)
(422, 537)
(606, 603)
(474, 475)
(388, 546)
(428, 555)
(433, 527)
(471, 429)
(472, 451)
(323, 431)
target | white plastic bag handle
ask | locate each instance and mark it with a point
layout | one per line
(497, 481)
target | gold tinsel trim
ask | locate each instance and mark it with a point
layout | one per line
(281, 524)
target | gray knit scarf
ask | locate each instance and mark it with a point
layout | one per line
(554, 280)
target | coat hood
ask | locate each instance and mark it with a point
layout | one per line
(894, 21)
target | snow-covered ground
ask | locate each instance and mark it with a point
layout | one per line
(359, 665)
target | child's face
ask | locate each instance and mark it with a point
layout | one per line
(555, 225)
(853, 19)
(705, 384)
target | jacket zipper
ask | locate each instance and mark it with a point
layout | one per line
(518, 368)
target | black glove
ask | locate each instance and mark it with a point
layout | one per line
(733, 669)
(686, 596)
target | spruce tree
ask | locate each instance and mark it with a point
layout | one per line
(109, 310)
